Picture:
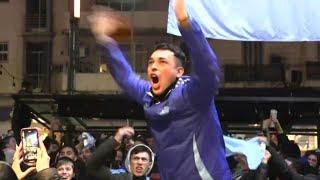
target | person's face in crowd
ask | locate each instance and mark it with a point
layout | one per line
(312, 160)
(66, 171)
(128, 143)
(117, 160)
(10, 132)
(68, 152)
(12, 143)
(53, 147)
(103, 136)
(86, 154)
(163, 70)
(242, 161)
(55, 124)
(140, 163)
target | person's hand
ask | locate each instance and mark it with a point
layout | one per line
(17, 160)
(43, 159)
(266, 157)
(275, 120)
(180, 10)
(80, 145)
(124, 132)
(104, 136)
(104, 22)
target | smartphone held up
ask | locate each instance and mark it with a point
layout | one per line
(30, 144)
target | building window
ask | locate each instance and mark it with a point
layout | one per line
(36, 15)
(137, 5)
(141, 58)
(3, 51)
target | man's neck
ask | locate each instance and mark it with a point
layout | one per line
(139, 178)
(164, 94)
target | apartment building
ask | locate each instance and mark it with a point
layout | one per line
(34, 45)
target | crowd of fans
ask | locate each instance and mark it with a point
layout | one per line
(126, 155)
(283, 158)
(73, 157)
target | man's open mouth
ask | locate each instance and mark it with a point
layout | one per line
(138, 170)
(154, 79)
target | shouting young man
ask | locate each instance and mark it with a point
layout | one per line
(180, 109)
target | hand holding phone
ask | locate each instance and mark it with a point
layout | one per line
(17, 159)
(273, 114)
(30, 145)
(43, 159)
(273, 117)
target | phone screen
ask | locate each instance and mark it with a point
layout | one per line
(30, 143)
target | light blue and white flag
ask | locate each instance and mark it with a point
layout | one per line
(252, 149)
(252, 20)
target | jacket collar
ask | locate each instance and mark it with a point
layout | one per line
(157, 99)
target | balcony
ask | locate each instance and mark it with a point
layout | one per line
(266, 73)
(86, 82)
(137, 5)
(272, 75)
(139, 19)
(36, 23)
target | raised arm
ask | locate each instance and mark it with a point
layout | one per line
(104, 23)
(105, 151)
(95, 165)
(205, 75)
(132, 84)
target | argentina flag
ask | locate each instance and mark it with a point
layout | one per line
(252, 20)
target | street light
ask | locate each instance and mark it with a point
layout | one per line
(73, 44)
(76, 8)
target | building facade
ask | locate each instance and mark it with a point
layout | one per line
(34, 45)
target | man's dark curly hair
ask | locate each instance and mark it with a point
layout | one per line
(177, 51)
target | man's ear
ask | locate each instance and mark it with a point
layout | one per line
(180, 71)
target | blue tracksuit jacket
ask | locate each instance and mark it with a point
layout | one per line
(185, 125)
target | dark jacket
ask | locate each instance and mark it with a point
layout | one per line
(81, 171)
(283, 170)
(96, 164)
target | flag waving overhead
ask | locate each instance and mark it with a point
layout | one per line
(252, 20)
